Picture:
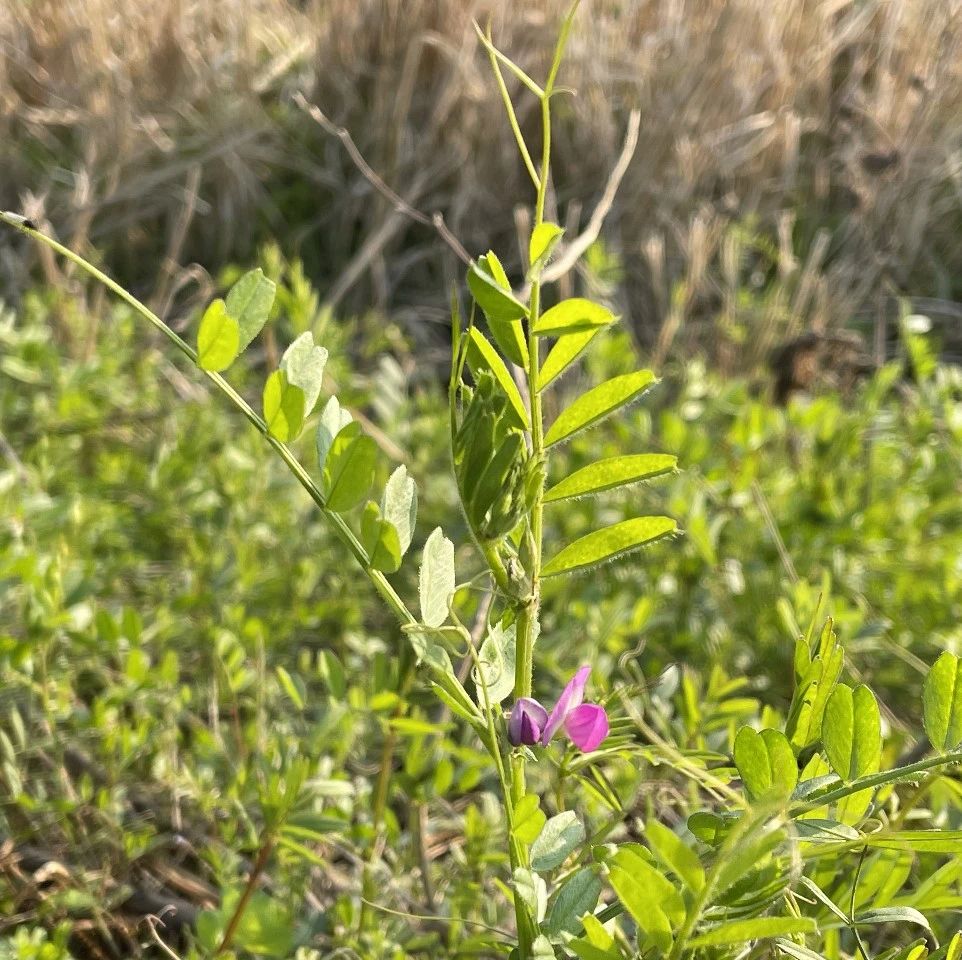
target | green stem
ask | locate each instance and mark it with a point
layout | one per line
(341, 529)
(873, 780)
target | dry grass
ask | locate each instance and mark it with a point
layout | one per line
(800, 160)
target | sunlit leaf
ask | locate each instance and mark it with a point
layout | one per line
(852, 732)
(497, 658)
(528, 818)
(675, 855)
(349, 468)
(544, 238)
(597, 404)
(759, 928)
(765, 763)
(566, 350)
(437, 580)
(575, 315)
(612, 472)
(333, 419)
(218, 339)
(380, 539)
(942, 703)
(284, 407)
(400, 505)
(249, 303)
(607, 544)
(303, 362)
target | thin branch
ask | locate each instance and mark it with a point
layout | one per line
(573, 251)
(435, 220)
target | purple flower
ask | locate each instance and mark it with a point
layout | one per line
(585, 723)
(526, 722)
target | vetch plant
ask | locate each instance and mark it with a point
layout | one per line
(786, 801)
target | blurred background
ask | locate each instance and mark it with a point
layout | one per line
(785, 249)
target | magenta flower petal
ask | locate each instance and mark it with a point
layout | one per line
(571, 697)
(587, 726)
(526, 722)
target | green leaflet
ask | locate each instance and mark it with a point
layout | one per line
(760, 928)
(765, 763)
(544, 238)
(436, 586)
(533, 891)
(400, 505)
(942, 703)
(497, 659)
(611, 472)
(578, 895)
(528, 818)
(576, 315)
(303, 363)
(491, 290)
(380, 540)
(333, 420)
(675, 855)
(816, 673)
(566, 350)
(348, 468)
(852, 732)
(218, 339)
(558, 839)
(597, 403)
(249, 302)
(482, 356)
(284, 407)
(606, 544)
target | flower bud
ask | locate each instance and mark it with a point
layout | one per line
(526, 722)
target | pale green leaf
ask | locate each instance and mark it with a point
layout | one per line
(559, 837)
(852, 732)
(942, 703)
(380, 540)
(349, 468)
(249, 302)
(482, 356)
(303, 362)
(497, 659)
(400, 505)
(892, 915)
(612, 472)
(218, 339)
(597, 404)
(575, 315)
(284, 405)
(759, 928)
(541, 949)
(566, 350)
(606, 544)
(533, 891)
(437, 580)
(333, 420)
